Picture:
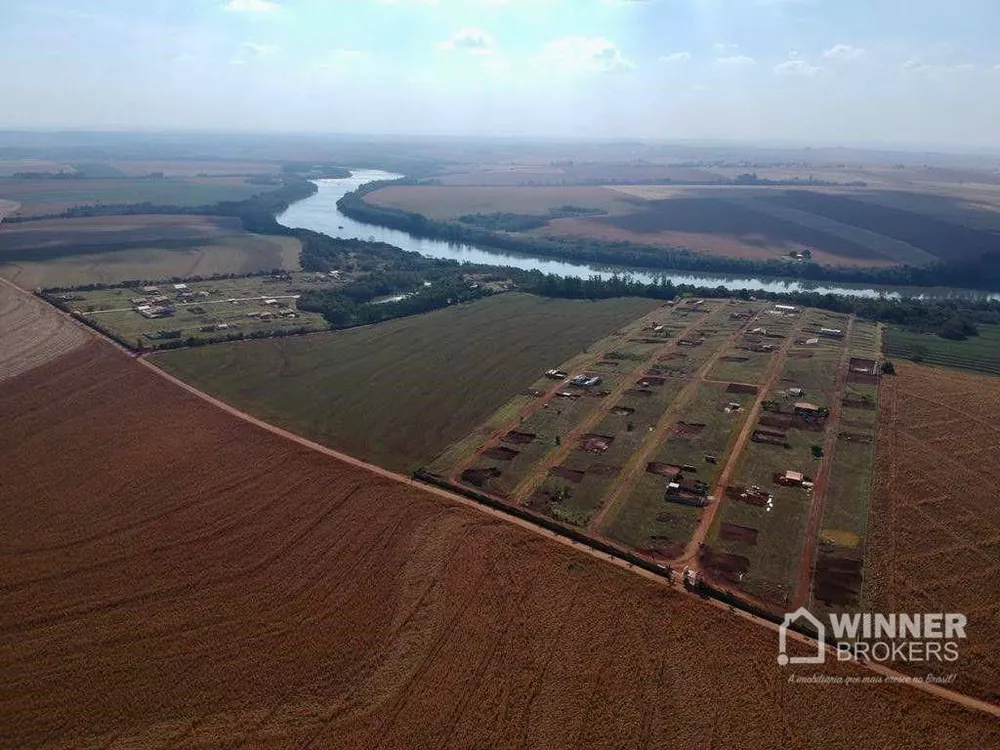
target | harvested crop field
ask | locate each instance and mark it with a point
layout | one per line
(270, 596)
(934, 536)
(442, 202)
(32, 333)
(399, 392)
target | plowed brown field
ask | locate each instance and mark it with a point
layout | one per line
(935, 520)
(175, 577)
(32, 333)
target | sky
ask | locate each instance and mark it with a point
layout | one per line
(849, 72)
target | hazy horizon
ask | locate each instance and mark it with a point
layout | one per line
(774, 72)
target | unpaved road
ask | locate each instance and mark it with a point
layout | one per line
(823, 476)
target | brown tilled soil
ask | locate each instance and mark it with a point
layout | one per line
(171, 576)
(32, 333)
(934, 538)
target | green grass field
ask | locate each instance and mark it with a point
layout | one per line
(236, 254)
(399, 392)
(980, 353)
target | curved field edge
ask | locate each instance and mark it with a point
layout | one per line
(32, 333)
(399, 392)
(173, 575)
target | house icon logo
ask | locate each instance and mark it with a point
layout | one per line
(801, 613)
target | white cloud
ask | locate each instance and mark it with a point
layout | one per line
(675, 57)
(585, 53)
(721, 47)
(843, 53)
(736, 60)
(797, 67)
(473, 41)
(253, 6)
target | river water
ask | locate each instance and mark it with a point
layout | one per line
(319, 213)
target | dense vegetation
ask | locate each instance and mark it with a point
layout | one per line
(975, 273)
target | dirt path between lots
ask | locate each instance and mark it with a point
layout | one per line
(667, 421)
(532, 406)
(569, 441)
(719, 492)
(938, 691)
(823, 476)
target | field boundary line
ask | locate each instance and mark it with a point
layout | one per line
(938, 691)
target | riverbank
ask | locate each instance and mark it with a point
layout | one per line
(320, 213)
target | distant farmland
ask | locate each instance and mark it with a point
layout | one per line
(839, 226)
(52, 196)
(49, 234)
(444, 202)
(156, 260)
(399, 392)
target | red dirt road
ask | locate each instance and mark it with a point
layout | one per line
(822, 477)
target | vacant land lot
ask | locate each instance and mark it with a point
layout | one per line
(979, 353)
(934, 539)
(235, 254)
(399, 392)
(439, 202)
(174, 577)
(32, 333)
(49, 196)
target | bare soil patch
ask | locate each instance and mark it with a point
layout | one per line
(736, 533)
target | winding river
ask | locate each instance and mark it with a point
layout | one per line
(319, 213)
